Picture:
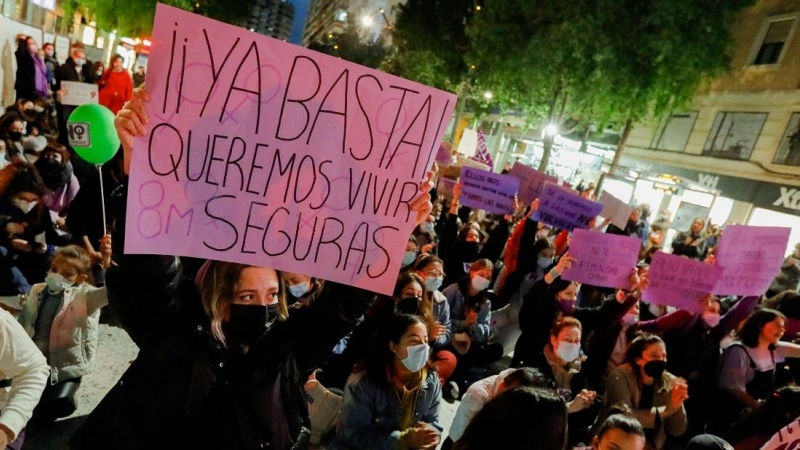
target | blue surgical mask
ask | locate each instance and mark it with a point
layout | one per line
(409, 257)
(56, 283)
(433, 283)
(417, 357)
(568, 351)
(544, 262)
(298, 290)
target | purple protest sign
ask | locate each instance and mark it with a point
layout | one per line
(562, 209)
(444, 156)
(445, 187)
(488, 191)
(531, 182)
(680, 282)
(750, 258)
(602, 259)
(265, 153)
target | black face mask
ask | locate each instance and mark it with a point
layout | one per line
(51, 165)
(470, 250)
(250, 323)
(15, 135)
(409, 305)
(655, 368)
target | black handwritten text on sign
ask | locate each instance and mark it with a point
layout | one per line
(265, 153)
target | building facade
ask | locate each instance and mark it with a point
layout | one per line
(373, 18)
(741, 137)
(272, 18)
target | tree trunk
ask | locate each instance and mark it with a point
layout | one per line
(585, 140)
(547, 144)
(621, 146)
(462, 102)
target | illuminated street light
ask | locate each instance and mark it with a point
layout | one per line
(366, 21)
(550, 130)
(487, 95)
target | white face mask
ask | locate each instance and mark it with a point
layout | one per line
(417, 357)
(710, 319)
(568, 351)
(24, 205)
(56, 283)
(426, 227)
(480, 283)
(630, 319)
(433, 283)
(80, 62)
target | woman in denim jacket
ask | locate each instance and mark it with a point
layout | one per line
(394, 403)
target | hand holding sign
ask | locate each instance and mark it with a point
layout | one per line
(604, 259)
(680, 282)
(273, 155)
(562, 209)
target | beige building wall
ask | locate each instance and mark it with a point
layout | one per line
(772, 89)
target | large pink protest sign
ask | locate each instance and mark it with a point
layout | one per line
(750, 257)
(491, 192)
(531, 181)
(680, 282)
(265, 153)
(602, 259)
(560, 208)
(787, 438)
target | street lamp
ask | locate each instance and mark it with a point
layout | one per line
(550, 130)
(366, 21)
(487, 95)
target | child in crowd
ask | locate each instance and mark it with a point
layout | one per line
(62, 315)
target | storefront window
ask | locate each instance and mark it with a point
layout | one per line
(721, 210)
(620, 189)
(768, 218)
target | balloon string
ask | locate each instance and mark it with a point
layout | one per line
(102, 199)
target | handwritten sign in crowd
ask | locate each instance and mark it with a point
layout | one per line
(562, 209)
(615, 209)
(750, 257)
(788, 438)
(531, 182)
(602, 259)
(680, 282)
(75, 93)
(261, 152)
(491, 192)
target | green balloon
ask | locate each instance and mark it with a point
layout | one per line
(91, 132)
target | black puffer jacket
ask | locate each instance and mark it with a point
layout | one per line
(185, 390)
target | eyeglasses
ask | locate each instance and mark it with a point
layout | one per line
(435, 273)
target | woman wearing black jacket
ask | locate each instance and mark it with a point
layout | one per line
(216, 366)
(552, 297)
(31, 82)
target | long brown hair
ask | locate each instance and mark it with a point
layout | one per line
(221, 279)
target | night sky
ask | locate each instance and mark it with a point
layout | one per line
(300, 10)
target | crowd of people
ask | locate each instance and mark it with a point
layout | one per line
(238, 356)
(54, 246)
